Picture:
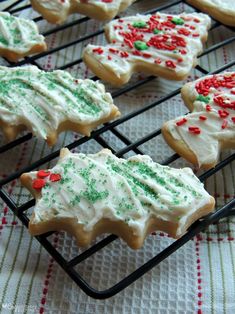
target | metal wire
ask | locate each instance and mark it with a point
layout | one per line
(20, 211)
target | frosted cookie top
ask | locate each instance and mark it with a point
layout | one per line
(212, 121)
(227, 5)
(43, 100)
(17, 34)
(62, 9)
(95, 186)
(171, 42)
(58, 5)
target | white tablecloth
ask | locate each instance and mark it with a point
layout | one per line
(198, 278)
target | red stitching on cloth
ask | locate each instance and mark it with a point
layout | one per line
(209, 239)
(199, 276)
(47, 278)
(11, 187)
(48, 65)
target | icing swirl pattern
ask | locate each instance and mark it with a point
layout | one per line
(44, 100)
(95, 186)
(18, 35)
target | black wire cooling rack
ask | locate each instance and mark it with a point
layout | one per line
(20, 211)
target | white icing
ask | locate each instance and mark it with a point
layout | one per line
(97, 186)
(17, 34)
(57, 7)
(206, 145)
(119, 65)
(43, 100)
(63, 9)
(228, 5)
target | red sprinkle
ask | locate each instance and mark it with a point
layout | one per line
(184, 31)
(136, 53)
(113, 50)
(194, 129)
(158, 61)
(203, 118)
(38, 184)
(183, 52)
(146, 55)
(208, 108)
(233, 119)
(170, 64)
(4, 221)
(55, 177)
(124, 54)
(181, 122)
(43, 174)
(223, 113)
(225, 124)
(99, 50)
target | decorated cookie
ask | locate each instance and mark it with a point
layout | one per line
(19, 37)
(88, 195)
(201, 135)
(221, 10)
(48, 103)
(159, 44)
(57, 11)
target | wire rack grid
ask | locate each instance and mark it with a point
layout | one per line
(129, 145)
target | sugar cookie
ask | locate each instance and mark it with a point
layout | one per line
(19, 37)
(57, 11)
(160, 44)
(221, 10)
(88, 195)
(48, 103)
(201, 135)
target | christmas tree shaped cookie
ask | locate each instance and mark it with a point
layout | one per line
(19, 37)
(88, 195)
(160, 44)
(57, 11)
(221, 10)
(48, 103)
(201, 135)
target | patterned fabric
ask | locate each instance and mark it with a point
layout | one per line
(198, 278)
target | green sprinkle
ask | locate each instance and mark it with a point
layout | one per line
(140, 24)
(205, 99)
(93, 196)
(177, 21)
(140, 45)
(3, 41)
(157, 31)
